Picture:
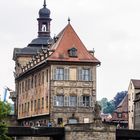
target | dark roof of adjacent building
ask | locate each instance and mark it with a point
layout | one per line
(136, 83)
(26, 51)
(123, 106)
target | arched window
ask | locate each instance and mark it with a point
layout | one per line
(44, 28)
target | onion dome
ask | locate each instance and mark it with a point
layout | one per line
(44, 12)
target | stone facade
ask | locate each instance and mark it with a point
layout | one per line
(89, 132)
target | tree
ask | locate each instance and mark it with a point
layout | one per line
(4, 111)
(119, 97)
(103, 103)
(109, 108)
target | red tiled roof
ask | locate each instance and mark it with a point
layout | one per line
(136, 83)
(68, 39)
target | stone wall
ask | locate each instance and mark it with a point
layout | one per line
(89, 132)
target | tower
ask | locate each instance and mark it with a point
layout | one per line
(44, 22)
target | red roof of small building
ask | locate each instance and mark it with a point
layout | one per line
(68, 39)
(121, 108)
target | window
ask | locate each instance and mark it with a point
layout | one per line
(119, 115)
(60, 74)
(42, 102)
(25, 108)
(38, 103)
(72, 121)
(86, 101)
(43, 77)
(23, 86)
(72, 74)
(31, 105)
(39, 79)
(86, 120)
(28, 107)
(85, 74)
(28, 84)
(46, 75)
(22, 108)
(59, 100)
(72, 52)
(34, 104)
(44, 27)
(46, 101)
(35, 80)
(20, 88)
(59, 120)
(73, 101)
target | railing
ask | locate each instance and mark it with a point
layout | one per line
(36, 131)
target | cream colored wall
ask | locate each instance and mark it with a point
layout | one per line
(131, 96)
(73, 87)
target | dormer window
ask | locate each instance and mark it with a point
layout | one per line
(72, 52)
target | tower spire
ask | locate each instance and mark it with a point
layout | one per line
(68, 20)
(44, 3)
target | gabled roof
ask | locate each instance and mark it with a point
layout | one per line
(123, 106)
(136, 83)
(68, 39)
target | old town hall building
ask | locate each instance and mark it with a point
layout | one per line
(55, 78)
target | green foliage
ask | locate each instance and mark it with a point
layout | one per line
(3, 131)
(107, 106)
(4, 111)
(110, 106)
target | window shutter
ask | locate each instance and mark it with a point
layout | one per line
(91, 101)
(66, 100)
(66, 74)
(54, 101)
(54, 74)
(91, 75)
(80, 101)
(79, 74)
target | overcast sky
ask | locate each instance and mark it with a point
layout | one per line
(111, 27)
